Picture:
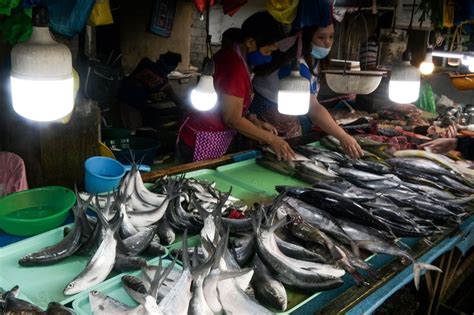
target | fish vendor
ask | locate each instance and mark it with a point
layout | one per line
(207, 135)
(317, 40)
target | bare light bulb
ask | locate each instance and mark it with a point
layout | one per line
(204, 96)
(427, 66)
(471, 67)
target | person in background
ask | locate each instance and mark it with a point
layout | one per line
(444, 145)
(207, 135)
(316, 45)
(369, 51)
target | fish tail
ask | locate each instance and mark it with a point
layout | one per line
(186, 262)
(418, 267)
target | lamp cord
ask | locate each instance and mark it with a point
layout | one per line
(208, 37)
(411, 22)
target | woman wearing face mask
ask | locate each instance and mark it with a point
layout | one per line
(316, 45)
(207, 135)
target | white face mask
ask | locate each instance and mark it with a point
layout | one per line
(320, 52)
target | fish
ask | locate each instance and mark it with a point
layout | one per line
(297, 251)
(438, 158)
(134, 287)
(128, 263)
(177, 299)
(420, 165)
(339, 205)
(155, 248)
(100, 265)
(292, 272)
(137, 243)
(235, 301)
(267, 289)
(165, 231)
(149, 217)
(57, 252)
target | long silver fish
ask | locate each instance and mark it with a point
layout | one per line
(100, 264)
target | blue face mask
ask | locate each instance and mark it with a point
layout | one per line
(256, 58)
(320, 52)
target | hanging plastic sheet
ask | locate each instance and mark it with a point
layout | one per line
(162, 18)
(230, 7)
(201, 4)
(314, 13)
(101, 13)
(69, 17)
(12, 174)
(283, 11)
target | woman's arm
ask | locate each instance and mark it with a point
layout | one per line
(320, 116)
(231, 109)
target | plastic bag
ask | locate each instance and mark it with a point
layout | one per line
(68, 18)
(283, 11)
(6, 6)
(426, 101)
(17, 27)
(104, 78)
(12, 174)
(101, 14)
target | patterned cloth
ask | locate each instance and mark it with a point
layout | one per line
(212, 145)
(12, 173)
(287, 126)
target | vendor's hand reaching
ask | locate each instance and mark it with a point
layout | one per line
(351, 147)
(440, 146)
(269, 127)
(282, 149)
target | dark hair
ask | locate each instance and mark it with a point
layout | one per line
(307, 47)
(262, 27)
(231, 35)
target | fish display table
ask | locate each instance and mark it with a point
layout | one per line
(255, 183)
(393, 273)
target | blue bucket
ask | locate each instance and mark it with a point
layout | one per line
(104, 174)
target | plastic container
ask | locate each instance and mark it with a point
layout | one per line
(42, 284)
(134, 149)
(104, 174)
(35, 211)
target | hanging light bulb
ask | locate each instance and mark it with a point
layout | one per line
(41, 74)
(294, 93)
(427, 66)
(404, 85)
(204, 96)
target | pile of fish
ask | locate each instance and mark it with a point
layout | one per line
(130, 222)
(212, 284)
(11, 304)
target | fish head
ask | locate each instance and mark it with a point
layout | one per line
(277, 295)
(73, 287)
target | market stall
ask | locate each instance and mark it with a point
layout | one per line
(250, 181)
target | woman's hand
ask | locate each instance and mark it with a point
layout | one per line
(261, 124)
(282, 149)
(440, 146)
(269, 127)
(351, 147)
